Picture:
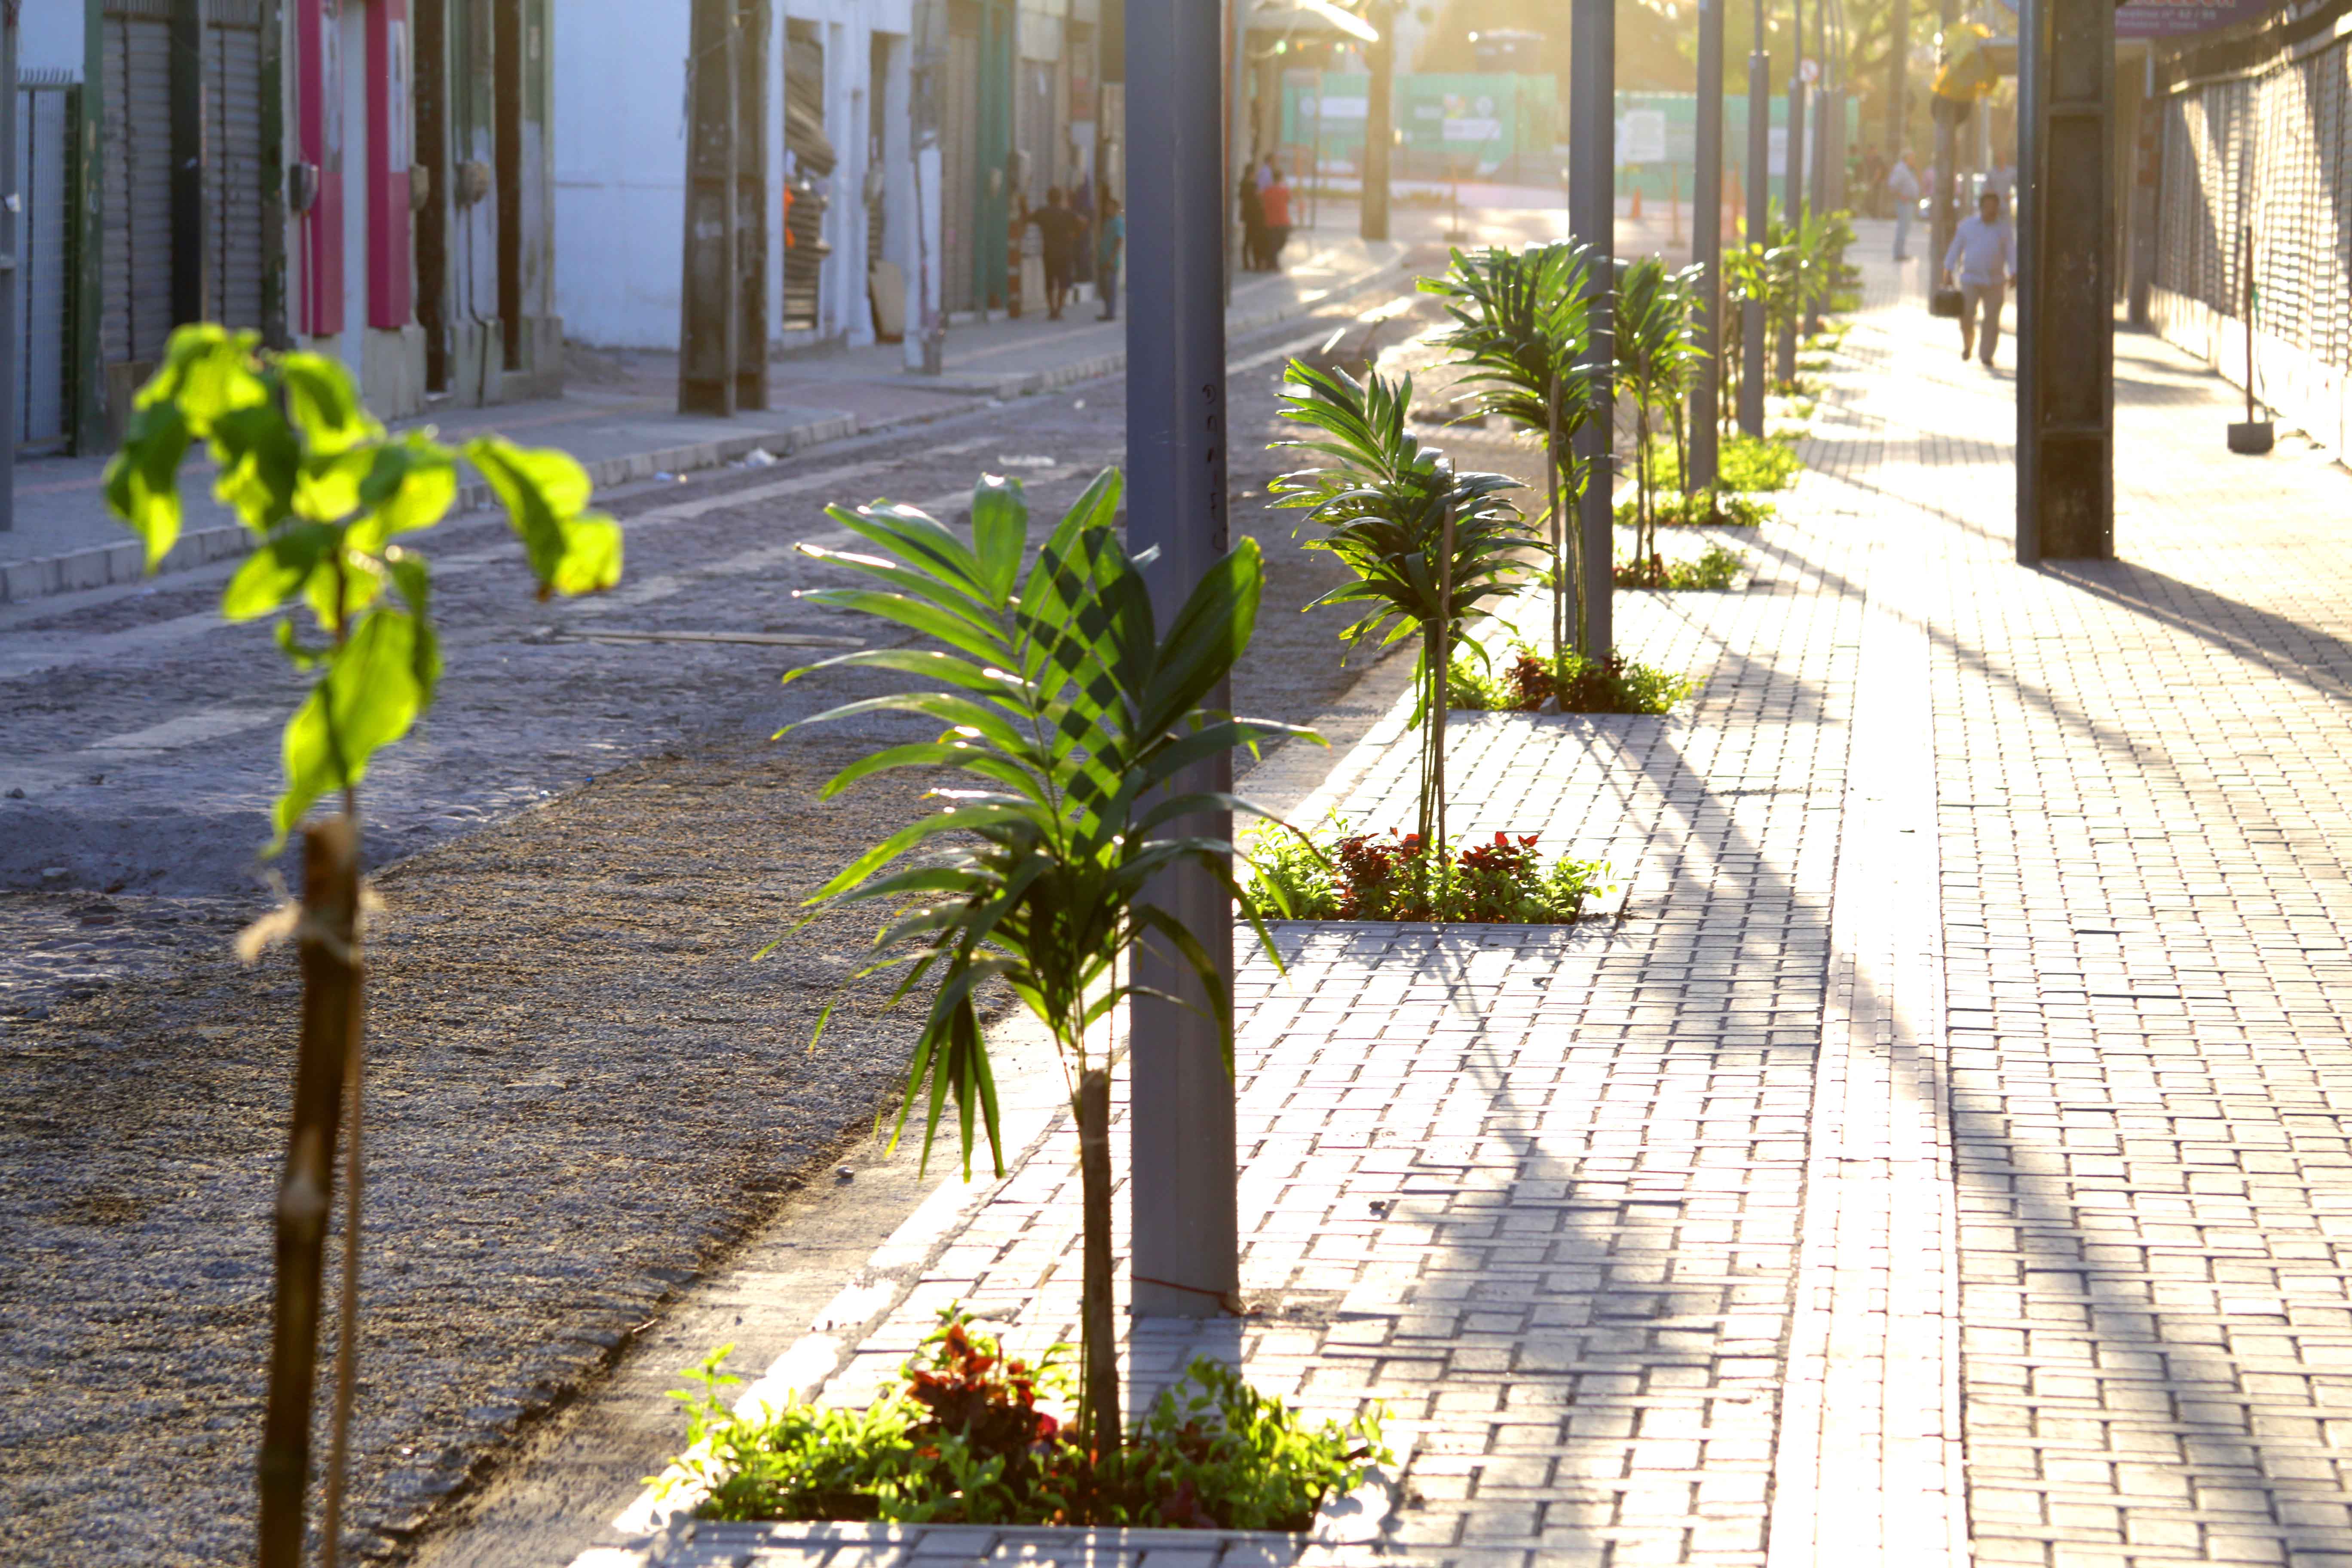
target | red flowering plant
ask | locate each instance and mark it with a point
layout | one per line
(962, 1440)
(1397, 876)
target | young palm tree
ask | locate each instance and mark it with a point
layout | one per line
(1429, 547)
(1656, 352)
(1077, 714)
(1521, 332)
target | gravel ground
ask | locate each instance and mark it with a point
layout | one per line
(581, 1095)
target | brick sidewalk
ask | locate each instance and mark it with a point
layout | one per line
(1944, 1160)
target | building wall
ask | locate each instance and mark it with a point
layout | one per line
(620, 165)
(50, 36)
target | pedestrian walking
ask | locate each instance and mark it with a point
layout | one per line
(1983, 259)
(1274, 204)
(1903, 184)
(1106, 260)
(1062, 235)
(1252, 220)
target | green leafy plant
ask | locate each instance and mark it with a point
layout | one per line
(1702, 509)
(1059, 694)
(1430, 549)
(1744, 464)
(1402, 876)
(1522, 336)
(961, 1439)
(1656, 354)
(334, 505)
(1613, 685)
(1714, 570)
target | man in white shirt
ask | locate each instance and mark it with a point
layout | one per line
(1903, 184)
(1983, 256)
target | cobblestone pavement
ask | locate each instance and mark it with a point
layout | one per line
(1943, 1161)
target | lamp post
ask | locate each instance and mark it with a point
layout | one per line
(1792, 177)
(1706, 246)
(1592, 220)
(1759, 205)
(1186, 1257)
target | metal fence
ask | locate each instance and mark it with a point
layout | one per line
(45, 177)
(2270, 150)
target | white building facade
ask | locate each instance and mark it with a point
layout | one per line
(838, 173)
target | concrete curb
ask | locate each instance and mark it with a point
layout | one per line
(108, 566)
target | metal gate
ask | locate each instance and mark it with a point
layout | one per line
(959, 154)
(232, 160)
(135, 164)
(808, 169)
(47, 107)
(2272, 151)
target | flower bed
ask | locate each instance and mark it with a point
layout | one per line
(963, 1440)
(1398, 877)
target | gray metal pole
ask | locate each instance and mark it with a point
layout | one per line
(1792, 178)
(2066, 297)
(1237, 143)
(1760, 211)
(1592, 220)
(1943, 212)
(1186, 1259)
(1898, 81)
(1706, 245)
(1380, 60)
(9, 235)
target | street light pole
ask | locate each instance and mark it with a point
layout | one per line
(1592, 220)
(1186, 1257)
(1792, 178)
(1373, 179)
(1760, 205)
(1706, 247)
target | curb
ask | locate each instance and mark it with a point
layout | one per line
(106, 565)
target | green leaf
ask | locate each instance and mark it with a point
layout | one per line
(1000, 532)
(324, 406)
(545, 493)
(142, 481)
(277, 570)
(375, 684)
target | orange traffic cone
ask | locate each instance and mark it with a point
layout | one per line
(1637, 201)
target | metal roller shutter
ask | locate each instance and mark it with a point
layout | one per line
(809, 175)
(959, 154)
(135, 163)
(45, 122)
(232, 160)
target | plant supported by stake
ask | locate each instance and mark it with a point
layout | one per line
(1431, 548)
(1522, 334)
(1079, 716)
(333, 503)
(961, 1441)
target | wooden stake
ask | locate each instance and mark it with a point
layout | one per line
(328, 946)
(1103, 1426)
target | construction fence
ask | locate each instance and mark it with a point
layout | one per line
(2255, 187)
